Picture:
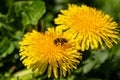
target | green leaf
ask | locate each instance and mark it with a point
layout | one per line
(6, 47)
(115, 51)
(94, 79)
(31, 11)
(2, 19)
(3, 22)
(89, 64)
(110, 7)
(95, 60)
(100, 56)
(71, 77)
(4, 44)
(17, 35)
(25, 74)
(1, 64)
(10, 49)
(78, 70)
(35, 10)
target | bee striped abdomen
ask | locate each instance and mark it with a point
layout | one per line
(60, 41)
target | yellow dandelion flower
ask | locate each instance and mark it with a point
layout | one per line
(51, 51)
(93, 26)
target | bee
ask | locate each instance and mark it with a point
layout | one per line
(60, 41)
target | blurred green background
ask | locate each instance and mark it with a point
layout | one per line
(18, 17)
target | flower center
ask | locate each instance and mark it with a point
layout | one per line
(60, 41)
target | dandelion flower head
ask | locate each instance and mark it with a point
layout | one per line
(93, 26)
(50, 52)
